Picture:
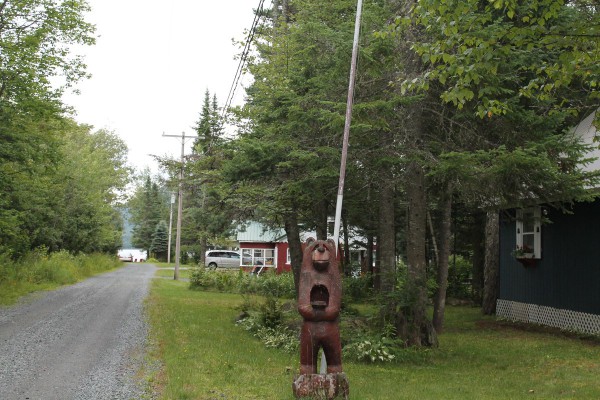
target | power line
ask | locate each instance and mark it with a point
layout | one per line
(243, 57)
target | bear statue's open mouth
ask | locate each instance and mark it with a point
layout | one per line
(319, 296)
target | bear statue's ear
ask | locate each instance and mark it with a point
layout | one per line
(332, 244)
(310, 241)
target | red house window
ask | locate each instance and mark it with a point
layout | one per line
(253, 257)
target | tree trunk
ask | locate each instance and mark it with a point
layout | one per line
(203, 246)
(492, 260)
(293, 236)
(413, 324)
(386, 239)
(321, 222)
(418, 329)
(369, 258)
(439, 304)
(436, 253)
(347, 265)
(478, 243)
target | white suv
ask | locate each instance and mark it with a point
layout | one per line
(222, 259)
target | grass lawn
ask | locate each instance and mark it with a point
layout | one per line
(205, 356)
(168, 272)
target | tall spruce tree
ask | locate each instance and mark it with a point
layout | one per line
(286, 162)
(208, 218)
(147, 207)
(160, 241)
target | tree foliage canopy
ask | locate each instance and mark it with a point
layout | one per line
(36, 58)
(490, 52)
(60, 181)
(467, 101)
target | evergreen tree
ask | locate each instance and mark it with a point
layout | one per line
(207, 218)
(285, 165)
(455, 102)
(160, 241)
(147, 208)
(208, 128)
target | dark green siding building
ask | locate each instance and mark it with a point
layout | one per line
(550, 271)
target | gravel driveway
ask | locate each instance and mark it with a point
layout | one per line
(84, 341)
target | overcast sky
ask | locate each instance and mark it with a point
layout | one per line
(151, 65)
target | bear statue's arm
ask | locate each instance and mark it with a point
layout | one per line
(304, 307)
(307, 311)
(332, 311)
(329, 314)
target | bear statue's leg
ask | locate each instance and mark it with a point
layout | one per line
(333, 349)
(308, 350)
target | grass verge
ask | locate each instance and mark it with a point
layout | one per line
(168, 272)
(39, 271)
(204, 356)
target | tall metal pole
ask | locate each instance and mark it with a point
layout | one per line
(349, 104)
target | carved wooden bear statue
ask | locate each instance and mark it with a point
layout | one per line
(319, 303)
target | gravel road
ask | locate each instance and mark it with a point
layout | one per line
(84, 341)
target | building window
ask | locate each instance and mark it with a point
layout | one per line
(529, 232)
(288, 259)
(253, 257)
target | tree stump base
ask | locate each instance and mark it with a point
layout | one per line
(321, 386)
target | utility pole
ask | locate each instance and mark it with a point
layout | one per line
(170, 228)
(180, 203)
(349, 104)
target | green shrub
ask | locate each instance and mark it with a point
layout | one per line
(269, 284)
(376, 349)
(42, 269)
(58, 268)
(281, 285)
(372, 347)
(200, 279)
(277, 336)
(7, 268)
(459, 277)
(359, 288)
(225, 282)
(271, 315)
(249, 285)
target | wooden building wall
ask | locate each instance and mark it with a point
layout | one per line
(568, 274)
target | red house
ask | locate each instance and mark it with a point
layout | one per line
(262, 247)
